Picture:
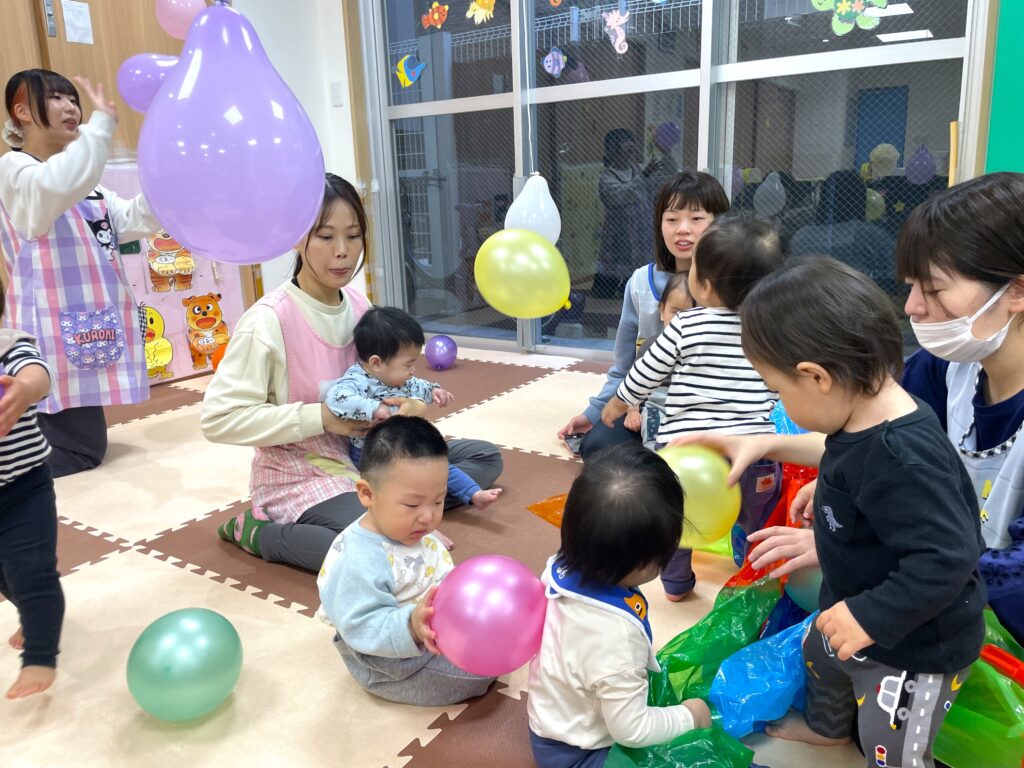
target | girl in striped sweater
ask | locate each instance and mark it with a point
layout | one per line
(711, 384)
(28, 514)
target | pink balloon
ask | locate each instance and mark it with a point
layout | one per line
(228, 159)
(141, 76)
(489, 615)
(176, 16)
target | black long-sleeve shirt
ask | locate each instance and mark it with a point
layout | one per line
(898, 535)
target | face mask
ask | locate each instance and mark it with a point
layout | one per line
(954, 340)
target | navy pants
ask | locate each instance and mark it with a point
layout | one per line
(28, 562)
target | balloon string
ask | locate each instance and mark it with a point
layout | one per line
(529, 107)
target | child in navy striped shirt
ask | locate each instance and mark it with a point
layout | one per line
(28, 514)
(711, 384)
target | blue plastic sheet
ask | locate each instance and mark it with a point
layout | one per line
(759, 683)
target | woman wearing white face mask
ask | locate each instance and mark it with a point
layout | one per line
(962, 252)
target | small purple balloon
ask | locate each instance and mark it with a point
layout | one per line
(666, 136)
(920, 167)
(489, 615)
(141, 76)
(228, 159)
(440, 352)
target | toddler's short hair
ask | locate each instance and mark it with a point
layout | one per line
(384, 331)
(819, 310)
(624, 512)
(734, 253)
(400, 437)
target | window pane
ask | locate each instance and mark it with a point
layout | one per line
(659, 37)
(454, 186)
(465, 57)
(605, 160)
(767, 29)
(839, 159)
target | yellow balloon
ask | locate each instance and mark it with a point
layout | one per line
(521, 274)
(875, 208)
(711, 507)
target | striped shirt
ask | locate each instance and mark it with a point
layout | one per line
(23, 448)
(712, 386)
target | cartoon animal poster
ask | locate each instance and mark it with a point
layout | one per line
(191, 302)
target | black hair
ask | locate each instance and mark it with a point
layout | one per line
(3, 301)
(691, 190)
(624, 512)
(844, 197)
(383, 331)
(975, 229)
(337, 189)
(613, 141)
(35, 86)
(736, 252)
(678, 282)
(400, 437)
(819, 310)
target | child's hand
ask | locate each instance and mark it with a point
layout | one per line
(30, 386)
(802, 509)
(700, 711)
(381, 413)
(741, 450)
(612, 411)
(443, 397)
(419, 622)
(99, 100)
(842, 631)
(633, 420)
(794, 545)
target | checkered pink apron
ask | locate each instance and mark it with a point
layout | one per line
(68, 289)
(288, 479)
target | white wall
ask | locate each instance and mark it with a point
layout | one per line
(826, 100)
(306, 44)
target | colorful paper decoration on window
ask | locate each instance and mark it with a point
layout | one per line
(480, 11)
(615, 27)
(409, 69)
(850, 13)
(555, 62)
(436, 16)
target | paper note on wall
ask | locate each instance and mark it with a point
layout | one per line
(77, 22)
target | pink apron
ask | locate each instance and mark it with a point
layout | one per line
(288, 479)
(68, 289)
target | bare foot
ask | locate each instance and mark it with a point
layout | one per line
(32, 680)
(793, 727)
(678, 598)
(448, 543)
(483, 499)
(17, 640)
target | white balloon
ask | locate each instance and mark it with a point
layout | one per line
(770, 196)
(535, 210)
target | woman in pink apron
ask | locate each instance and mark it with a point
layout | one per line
(60, 231)
(266, 394)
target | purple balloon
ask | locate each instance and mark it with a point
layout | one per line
(440, 352)
(666, 136)
(920, 167)
(228, 159)
(489, 615)
(141, 76)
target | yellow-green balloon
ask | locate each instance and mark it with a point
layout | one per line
(184, 664)
(711, 506)
(875, 208)
(521, 274)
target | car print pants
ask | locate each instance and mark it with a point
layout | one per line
(898, 713)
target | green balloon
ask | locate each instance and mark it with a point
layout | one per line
(804, 586)
(184, 664)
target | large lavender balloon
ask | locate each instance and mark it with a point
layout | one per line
(228, 158)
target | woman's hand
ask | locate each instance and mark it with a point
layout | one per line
(339, 426)
(802, 509)
(741, 450)
(578, 425)
(794, 545)
(99, 100)
(407, 406)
